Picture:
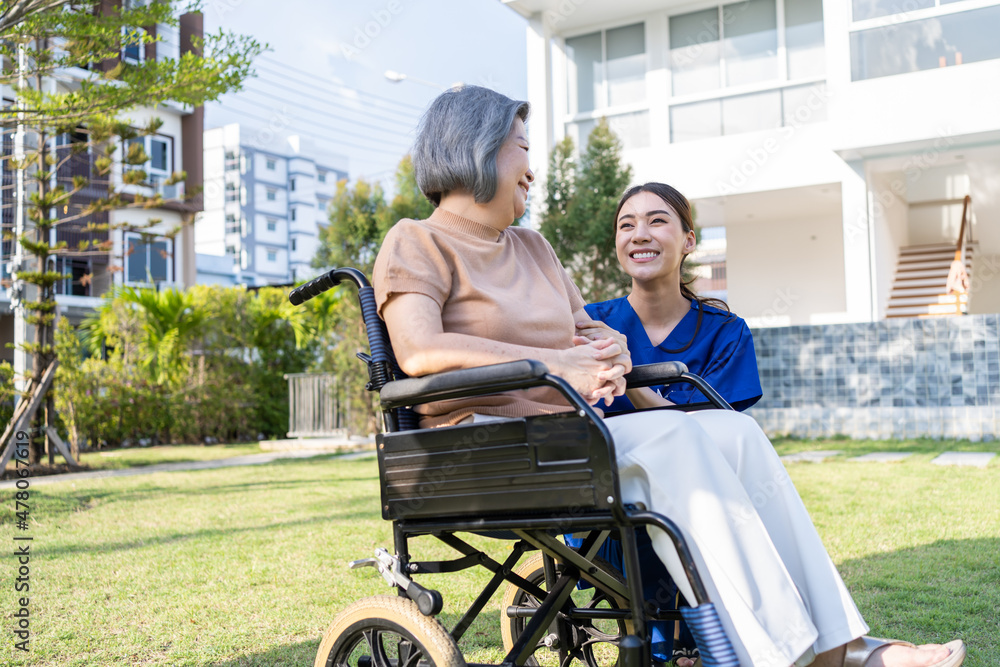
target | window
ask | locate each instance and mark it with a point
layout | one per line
(293, 215)
(293, 245)
(272, 255)
(146, 259)
(133, 48)
(272, 194)
(291, 184)
(901, 44)
(272, 225)
(159, 165)
(232, 192)
(232, 224)
(736, 47)
(607, 69)
(321, 176)
(271, 164)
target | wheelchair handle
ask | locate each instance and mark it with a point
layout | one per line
(327, 281)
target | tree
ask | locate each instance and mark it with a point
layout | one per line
(357, 215)
(580, 210)
(63, 124)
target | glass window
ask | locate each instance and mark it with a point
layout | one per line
(146, 262)
(803, 104)
(626, 66)
(293, 245)
(585, 60)
(750, 43)
(158, 155)
(869, 9)
(632, 129)
(942, 41)
(272, 255)
(272, 225)
(607, 68)
(321, 176)
(270, 164)
(700, 120)
(291, 184)
(694, 51)
(272, 194)
(804, 38)
(135, 258)
(750, 113)
(158, 260)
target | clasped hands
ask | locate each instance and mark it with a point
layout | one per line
(604, 356)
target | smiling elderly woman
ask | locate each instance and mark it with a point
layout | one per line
(464, 288)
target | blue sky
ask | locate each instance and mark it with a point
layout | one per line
(324, 74)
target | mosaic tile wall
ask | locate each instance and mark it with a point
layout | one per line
(898, 378)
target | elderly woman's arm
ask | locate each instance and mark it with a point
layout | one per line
(594, 368)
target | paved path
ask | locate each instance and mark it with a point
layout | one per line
(248, 460)
(976, 459)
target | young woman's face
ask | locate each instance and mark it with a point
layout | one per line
(650, 239)
(514, 176)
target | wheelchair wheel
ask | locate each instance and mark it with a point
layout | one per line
(594, 642)
(387, 631)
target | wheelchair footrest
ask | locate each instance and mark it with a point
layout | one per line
(706, 627)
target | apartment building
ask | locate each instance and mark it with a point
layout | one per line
(158, 255)
(265, 201)
(830, 143)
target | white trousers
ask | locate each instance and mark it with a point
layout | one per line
(779, 596)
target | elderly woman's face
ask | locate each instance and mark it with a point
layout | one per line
(514, 176)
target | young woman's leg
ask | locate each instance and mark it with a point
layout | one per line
(668, 461)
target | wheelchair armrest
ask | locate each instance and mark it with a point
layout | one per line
(672, 372)
(464, 382)
(650, 374)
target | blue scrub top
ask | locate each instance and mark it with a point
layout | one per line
(721, 352)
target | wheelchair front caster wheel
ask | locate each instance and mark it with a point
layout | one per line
(387, 631)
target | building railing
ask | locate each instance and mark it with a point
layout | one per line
(958, 276)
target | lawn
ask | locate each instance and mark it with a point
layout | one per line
(246, 566)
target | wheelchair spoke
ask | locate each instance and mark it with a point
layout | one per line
(373, 637)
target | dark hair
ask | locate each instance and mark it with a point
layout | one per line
(680, 204)
(458, 141)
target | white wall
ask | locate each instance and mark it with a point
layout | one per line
(891, 233)
(782, 273)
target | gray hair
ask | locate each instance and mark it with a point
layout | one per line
(458, 141)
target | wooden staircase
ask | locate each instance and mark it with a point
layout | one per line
(920, 288)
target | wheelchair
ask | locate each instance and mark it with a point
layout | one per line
(525, 481)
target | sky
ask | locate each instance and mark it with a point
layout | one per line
(323, 75)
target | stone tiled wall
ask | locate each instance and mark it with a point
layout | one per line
(935, 377)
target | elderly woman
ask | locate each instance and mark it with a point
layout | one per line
(465, 288)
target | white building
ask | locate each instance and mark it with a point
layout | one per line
(831, 139)
(265, 200)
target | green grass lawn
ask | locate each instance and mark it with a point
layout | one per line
(246, 566)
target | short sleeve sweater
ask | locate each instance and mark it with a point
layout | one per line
(506, 286)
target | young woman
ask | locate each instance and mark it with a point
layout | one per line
(464, 289)
(664, 320)
(661, 317)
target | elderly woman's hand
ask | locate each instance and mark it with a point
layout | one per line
(594, 330)
(593, 368)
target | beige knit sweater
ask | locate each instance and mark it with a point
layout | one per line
(506, 286)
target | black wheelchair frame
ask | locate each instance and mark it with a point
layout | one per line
(526, 479)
